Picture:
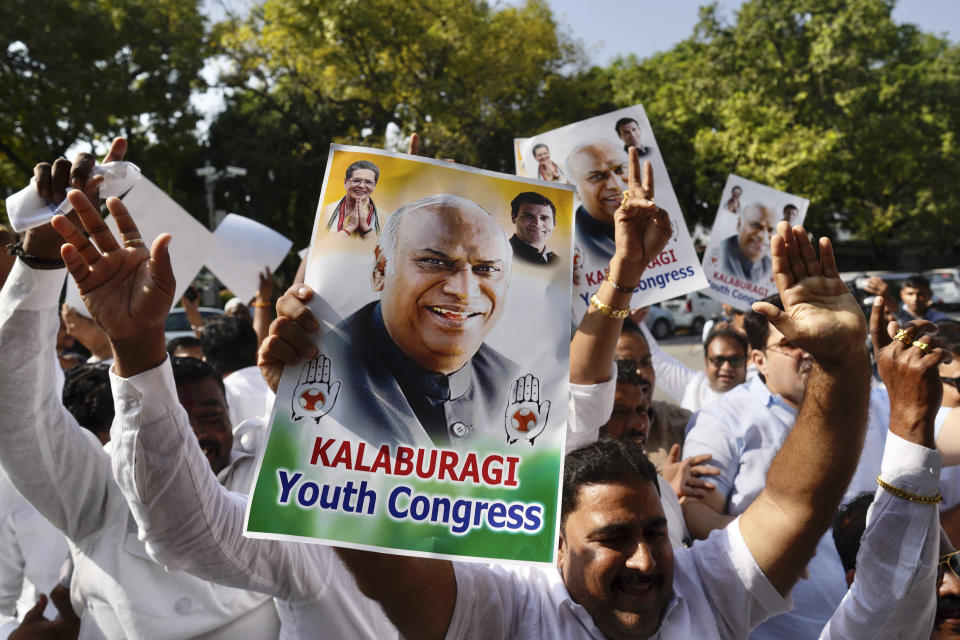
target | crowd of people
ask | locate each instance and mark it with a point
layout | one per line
(788, 493)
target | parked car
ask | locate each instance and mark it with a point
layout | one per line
(660, 322)
(692, 310)
(178, 326)
(945, 285)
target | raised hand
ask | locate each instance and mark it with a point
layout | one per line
(910, 372)
(128, 290)
(641, 228)
(314, 395)
(66, 626)
(52, 181)
(289, 338)
(526, 416)
(820, 316)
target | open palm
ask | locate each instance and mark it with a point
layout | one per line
(820, 315)
(128, 290)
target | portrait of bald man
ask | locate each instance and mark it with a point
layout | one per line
(746, 254)
(412, 366)
(599, 171)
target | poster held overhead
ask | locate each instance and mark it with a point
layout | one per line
(432, 420)
(591, 155)
(244, 248)
(737, 261)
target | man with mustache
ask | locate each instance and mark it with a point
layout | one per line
(742, 432)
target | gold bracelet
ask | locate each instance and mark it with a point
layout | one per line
(906, 495)
(607, 310)
(618, 287)
(260, 305)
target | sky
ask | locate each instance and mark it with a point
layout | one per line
(609, 28)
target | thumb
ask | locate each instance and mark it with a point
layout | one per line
(160, 267)
(674, 454)
(780, 319)
(36, 612)
(60, 596)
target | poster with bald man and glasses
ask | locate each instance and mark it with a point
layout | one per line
(737, 261)
(592, 156)
(431, 420)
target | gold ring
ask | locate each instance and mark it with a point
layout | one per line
(133, 242)
(923, 346)
(626, 194)
(904, 336)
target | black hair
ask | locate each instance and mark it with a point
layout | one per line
(189, 370)
(229, 344)
(757, 326)
(87, 395)
(631, 327)
(531, 197)
(848, 528)
(363, 164)
(186, 342)
(916, 281)
(537, 146)
(948, 335)
(622, 122)
(730, 334)
(627, 371)
(604, 461)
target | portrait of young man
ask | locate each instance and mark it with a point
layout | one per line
(534, 217)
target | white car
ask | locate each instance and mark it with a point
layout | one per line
(945, 285)
(659, 321)
(692, 310)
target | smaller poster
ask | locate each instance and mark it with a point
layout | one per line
(432, 420)
(737, 261)
(591, 155)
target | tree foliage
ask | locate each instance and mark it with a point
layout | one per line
(829, 99)
(467, 76)
(82, 71)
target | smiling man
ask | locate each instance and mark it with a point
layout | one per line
(535, 216)
(746, 254)
(442, 269)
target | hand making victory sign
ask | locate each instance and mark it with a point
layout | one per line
(127, 289)
(642, 228)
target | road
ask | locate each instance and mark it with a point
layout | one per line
(686, 348)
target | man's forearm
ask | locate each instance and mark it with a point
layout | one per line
(594, 343)
(417, 594)
(701, 518)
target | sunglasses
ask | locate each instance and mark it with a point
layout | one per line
(954, 382)
(733, 361)
(951, 561)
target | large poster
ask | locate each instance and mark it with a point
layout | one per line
(737, 261)
(432, 420)
(592, 156)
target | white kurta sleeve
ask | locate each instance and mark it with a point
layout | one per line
(672, 375)
(893, 593)
(58, 466)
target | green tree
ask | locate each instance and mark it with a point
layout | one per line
(830, 99)
(79, 71)
(467, 76)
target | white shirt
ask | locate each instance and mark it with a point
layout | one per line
(893, 593)
(718, 592)
(63, 471)
(31, 554)
(247, 393)
(742, 431)
(688, 387)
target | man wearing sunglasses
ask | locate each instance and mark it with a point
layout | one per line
(742, 432)
(725, 353)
